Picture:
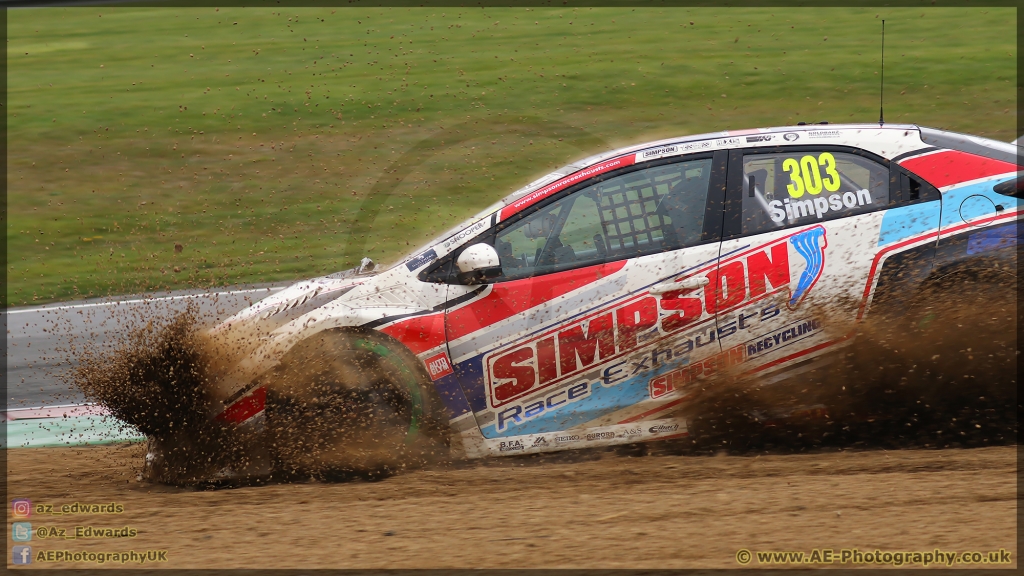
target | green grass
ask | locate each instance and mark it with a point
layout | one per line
(277, 144)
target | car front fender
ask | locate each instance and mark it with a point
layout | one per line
(238, 380)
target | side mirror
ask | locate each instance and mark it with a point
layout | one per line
(478, 263)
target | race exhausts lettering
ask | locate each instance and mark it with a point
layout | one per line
(572, 349)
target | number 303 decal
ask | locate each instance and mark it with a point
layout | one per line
(805, 174)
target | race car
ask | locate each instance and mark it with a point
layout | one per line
(592, 306)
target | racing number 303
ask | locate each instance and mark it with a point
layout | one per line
(805, 174)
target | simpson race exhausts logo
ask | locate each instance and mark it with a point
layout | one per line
(572, 349)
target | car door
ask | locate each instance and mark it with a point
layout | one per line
(586, 312)
(807, 229)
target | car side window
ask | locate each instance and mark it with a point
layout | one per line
(642, 212)
(788, 189)
(905, 188)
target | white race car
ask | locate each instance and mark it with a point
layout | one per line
(592, 306)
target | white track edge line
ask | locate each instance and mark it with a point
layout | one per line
(138, 300)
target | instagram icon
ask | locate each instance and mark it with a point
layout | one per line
(21, 507)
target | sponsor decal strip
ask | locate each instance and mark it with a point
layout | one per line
(465, 234)
(801, 353)
(657, 153)
(686, 376)
(589, 437)
(676, 149)
(823, 133)
(422, 259)
(538, 195)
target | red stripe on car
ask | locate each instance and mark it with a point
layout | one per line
(419, 333)
(246, 407)
(949, 167)
(507, 299)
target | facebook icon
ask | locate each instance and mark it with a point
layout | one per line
(22, 554)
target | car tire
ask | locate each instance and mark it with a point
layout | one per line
(352, 403)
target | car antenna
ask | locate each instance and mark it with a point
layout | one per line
(881, 85)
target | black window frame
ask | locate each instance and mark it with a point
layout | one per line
(902, 187)
(733, 212)
(442, 272)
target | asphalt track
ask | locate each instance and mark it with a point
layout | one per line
(36, 336)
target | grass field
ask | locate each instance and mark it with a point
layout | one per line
(166, 148)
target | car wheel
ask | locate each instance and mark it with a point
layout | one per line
(352, 404)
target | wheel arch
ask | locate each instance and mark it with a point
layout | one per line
(974, 270)
(392, 343)
(246, 376)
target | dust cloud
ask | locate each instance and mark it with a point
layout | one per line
(940, 372)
